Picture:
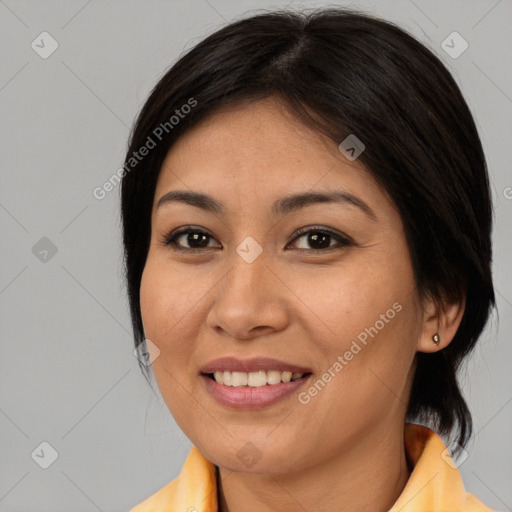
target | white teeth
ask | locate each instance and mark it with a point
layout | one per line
(273, 377)
(227, 378)
(286, 376)
(239, 379)
(255, 379)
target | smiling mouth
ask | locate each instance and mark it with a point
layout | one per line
(255, 379)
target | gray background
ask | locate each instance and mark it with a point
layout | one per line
(68, 375)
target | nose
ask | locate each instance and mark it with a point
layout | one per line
(249, 301)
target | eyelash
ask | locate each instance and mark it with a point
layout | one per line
(343, 241)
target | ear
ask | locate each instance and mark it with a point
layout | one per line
(441, 317)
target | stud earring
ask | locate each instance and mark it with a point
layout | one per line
(436, 339)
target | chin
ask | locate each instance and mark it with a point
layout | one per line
(249, 459)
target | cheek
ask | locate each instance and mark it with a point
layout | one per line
(348, 301)
(167, 312)
(166, 316)
(368, 317)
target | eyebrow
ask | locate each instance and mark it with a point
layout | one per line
(280, 207)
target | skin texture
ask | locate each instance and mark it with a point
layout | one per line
(343, 450)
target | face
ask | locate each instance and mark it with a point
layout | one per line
(323, 292)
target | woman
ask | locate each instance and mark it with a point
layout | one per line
(306, 220)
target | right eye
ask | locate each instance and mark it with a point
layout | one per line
(197, 239)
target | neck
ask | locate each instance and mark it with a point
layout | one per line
(370, 476)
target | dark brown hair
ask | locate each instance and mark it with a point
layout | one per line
(340, 72)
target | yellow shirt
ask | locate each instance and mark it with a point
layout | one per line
(434, 485)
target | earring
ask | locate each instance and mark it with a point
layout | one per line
(436, 339)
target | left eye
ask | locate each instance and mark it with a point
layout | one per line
(319, 238)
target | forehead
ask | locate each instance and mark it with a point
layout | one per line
(263, 149)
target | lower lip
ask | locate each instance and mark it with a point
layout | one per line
(247, 397)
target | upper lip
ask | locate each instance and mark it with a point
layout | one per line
(231, 364)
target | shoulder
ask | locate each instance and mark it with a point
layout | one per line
(435, 482)
(194, 488)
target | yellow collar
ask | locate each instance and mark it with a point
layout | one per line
(435, 483)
